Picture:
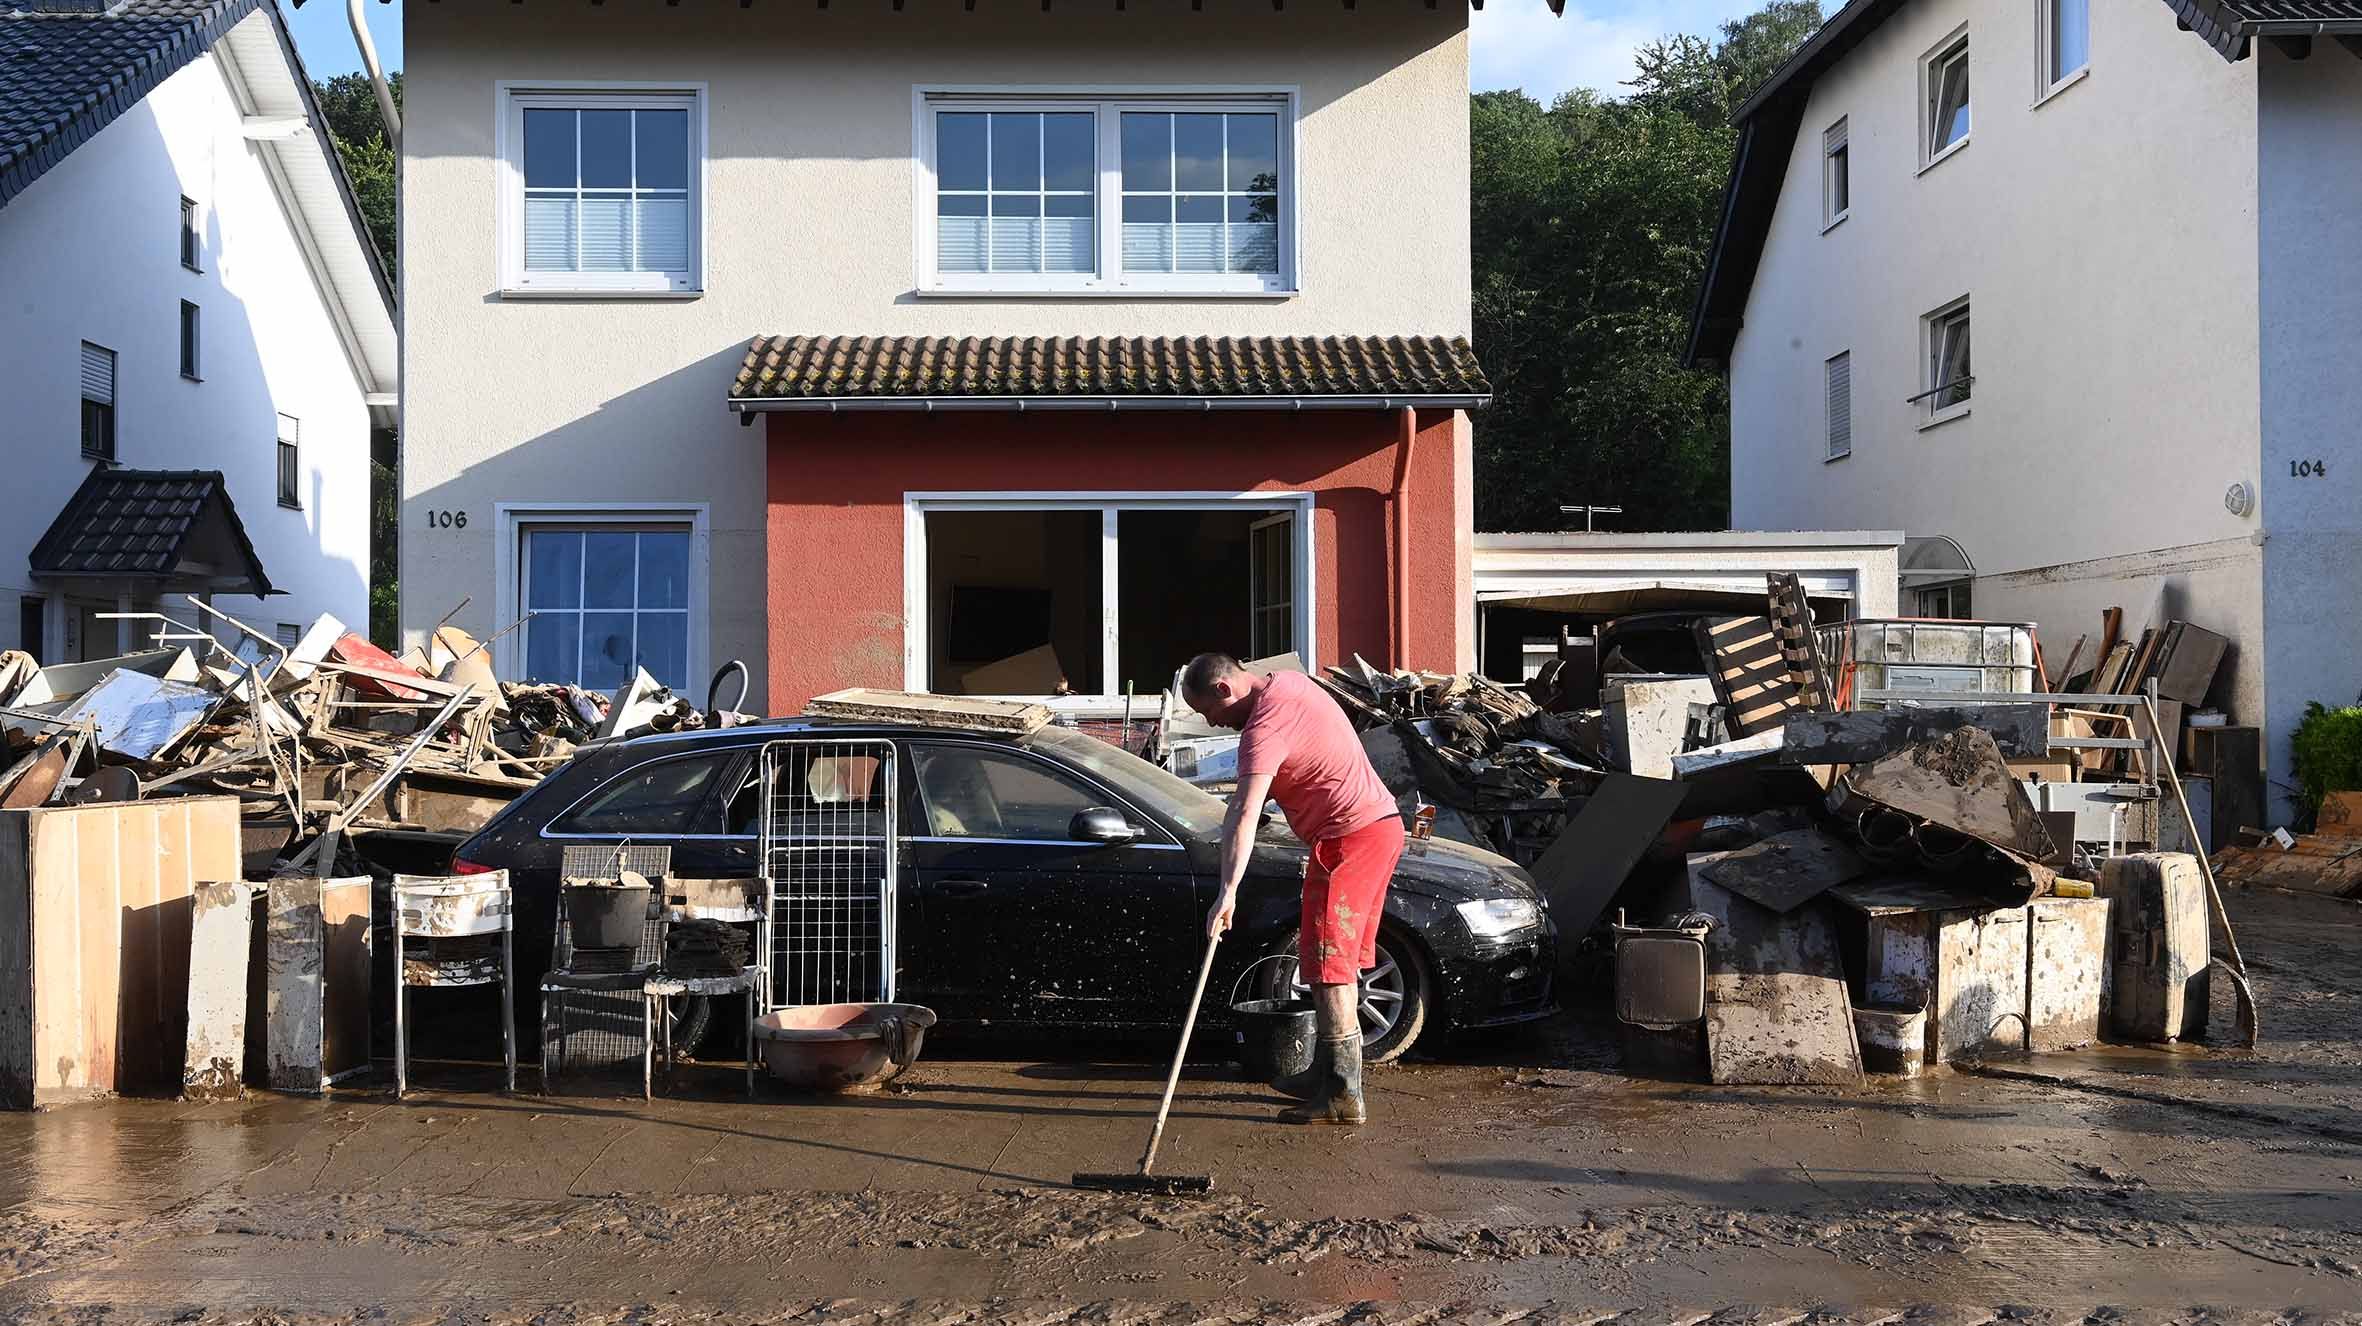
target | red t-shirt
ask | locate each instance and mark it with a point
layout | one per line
(1319, 773)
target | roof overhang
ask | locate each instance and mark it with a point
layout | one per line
(1102, 404)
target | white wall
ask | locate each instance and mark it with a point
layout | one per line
(2310, 247)
(2105, 239)
(92, 252)
(809, 231)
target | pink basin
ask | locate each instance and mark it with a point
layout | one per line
(842, 1047)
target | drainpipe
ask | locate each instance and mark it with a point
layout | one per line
(385, 95)
(1402, 537)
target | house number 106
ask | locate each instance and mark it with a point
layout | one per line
(2308, 469)
(445, 519)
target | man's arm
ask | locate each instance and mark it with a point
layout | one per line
(1238, 840)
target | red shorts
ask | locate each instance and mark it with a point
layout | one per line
(1345, 882)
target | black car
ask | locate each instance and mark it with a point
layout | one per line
(1052, 880)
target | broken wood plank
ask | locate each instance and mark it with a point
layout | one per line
(860, 703)
(2021, 730)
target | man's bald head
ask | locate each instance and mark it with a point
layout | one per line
(1219, 687)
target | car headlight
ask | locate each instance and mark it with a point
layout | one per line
(1491, 918)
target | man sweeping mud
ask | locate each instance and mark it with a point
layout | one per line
(1297, 748)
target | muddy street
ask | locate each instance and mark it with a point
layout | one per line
(1521, 1176)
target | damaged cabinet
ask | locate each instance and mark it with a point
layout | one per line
(2067, 964)
(2158, 957)
(317, 949)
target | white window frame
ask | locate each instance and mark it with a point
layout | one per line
(1835, 139)
(1930, 346)
(1109, 280)
(1830, 451)
(513, 520)
(917, 506)
(510, 102)
(1931, 67)
(2046, 52)
(288, 440)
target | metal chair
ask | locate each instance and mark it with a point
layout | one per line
(456, 916)
(735, 902)
(596, 1005)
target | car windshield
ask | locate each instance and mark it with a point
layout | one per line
(1192, 808)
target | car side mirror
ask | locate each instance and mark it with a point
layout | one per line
(1101, 824)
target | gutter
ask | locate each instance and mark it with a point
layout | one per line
(949, 404)
(385, 95)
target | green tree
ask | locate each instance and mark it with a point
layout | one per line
(1591, 222)
(349, 105)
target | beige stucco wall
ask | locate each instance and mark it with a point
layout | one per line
(2107, 239)
(809, 218)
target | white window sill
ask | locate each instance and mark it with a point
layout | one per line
(2061, 86)
(1945, 416)
(1947, 154)
(1834, 224)
(1112, 292)
(1842, 455)
(593, 292)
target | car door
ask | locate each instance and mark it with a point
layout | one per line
(1026, 923)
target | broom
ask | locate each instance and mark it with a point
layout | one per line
(1166, 1185)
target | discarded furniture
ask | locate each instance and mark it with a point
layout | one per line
(453, 932)
(727, 906)
(598, 1012)
(1777, 1008)
(2233, 758)
(221, 942)
(2158, 958)
(1647, 719)
(318, 949)
(1661, 972)
(2066, 971)
(94, 942)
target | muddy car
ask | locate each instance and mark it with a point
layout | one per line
(1051, 881)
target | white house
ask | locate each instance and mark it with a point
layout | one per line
(2149, 212)
(1067, 340)
(198, 336)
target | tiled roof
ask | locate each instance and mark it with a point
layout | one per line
(141, 524)
(2227, 25)
(69, 67)
(1144, 369)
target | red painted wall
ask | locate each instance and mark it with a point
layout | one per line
(835, 526)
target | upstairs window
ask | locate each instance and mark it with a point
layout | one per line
(1945, 78)
(2066, 41)
(191, 365)
(1838, 373)
(601, 192)
(1837, 187)
(290, 456)
(188, 234)
(1950, 378)
(1106, 195)
(98, 402)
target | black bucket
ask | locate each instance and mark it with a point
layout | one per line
(606, 916)
(1274, 1037)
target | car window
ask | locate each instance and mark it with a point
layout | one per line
(818, 782)
(659, 798)
(1193, 808)
(973, 792)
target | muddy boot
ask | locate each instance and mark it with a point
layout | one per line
(1306, 1085)
(1336, 1097)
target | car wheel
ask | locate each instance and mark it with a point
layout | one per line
(692, 1016)
(1395, 994)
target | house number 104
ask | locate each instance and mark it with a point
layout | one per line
(2308, 469)
(445, 519)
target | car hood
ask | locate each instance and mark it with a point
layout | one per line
(1436, 867)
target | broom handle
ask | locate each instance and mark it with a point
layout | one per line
(1173, 1079)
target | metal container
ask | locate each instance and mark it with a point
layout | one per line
(1660, 974)
(1894, 1040)
(1902, 654)
(2159, 948)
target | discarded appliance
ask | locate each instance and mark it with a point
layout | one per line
(319, 949)
(1661, 972)
(842, 1047)
(94, 943)
(2159, 952)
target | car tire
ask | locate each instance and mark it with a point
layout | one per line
(1418, 990)
(693, 1017)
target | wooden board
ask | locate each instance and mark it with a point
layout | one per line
(2066, 970)
(1013, 717)
(1787, 870)
(1777, 1009)
(1582, 869)
(220, 924)
(2021, 730)
(1750, 675)
(95, 962)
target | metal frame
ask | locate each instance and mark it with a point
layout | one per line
(819, 877)
(495, 886)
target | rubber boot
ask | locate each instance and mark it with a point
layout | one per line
(1306, 1085)
(1336, 1098)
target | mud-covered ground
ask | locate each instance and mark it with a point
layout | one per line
(1519, 1179)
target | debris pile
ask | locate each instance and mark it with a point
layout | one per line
(330, 742)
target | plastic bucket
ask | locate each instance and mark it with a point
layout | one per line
(1275, 1036)
(605, 916)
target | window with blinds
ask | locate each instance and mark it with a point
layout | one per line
(290, 462)
(98, 402)
(188, 234)
(192, 364)
(1839, 371)
(606, 191)
(1837, 185)
(1107, 192)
